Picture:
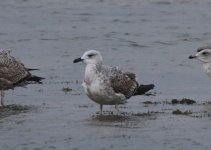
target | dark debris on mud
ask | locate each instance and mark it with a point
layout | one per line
(66, 89)
(198, 114)
(179, 112)
(193, 108)
(183, 101)
(72, 91)
(173, 101)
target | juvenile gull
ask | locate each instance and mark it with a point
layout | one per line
(108, 85)
(204, 55)
(13, 73)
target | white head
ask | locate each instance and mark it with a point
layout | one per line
(90, 57)
(203, 54)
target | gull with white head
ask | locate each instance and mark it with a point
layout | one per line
(108, 85)
(204, 54)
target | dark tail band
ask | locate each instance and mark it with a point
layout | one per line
(35, 79)
(143, 89)
(31, 69)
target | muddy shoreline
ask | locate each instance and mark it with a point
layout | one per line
(152, 38)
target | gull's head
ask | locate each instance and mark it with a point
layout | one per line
(203, 54)
(90, 57)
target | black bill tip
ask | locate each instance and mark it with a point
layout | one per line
(77, 60)
(191, 57)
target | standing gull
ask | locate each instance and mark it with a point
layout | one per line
(13, 73)
(108, 85)
(204, 55)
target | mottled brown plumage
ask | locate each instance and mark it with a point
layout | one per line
(11, 69)
(124, 82)
(13, 73)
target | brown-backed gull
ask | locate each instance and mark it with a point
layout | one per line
(13, 73)
(108, 85)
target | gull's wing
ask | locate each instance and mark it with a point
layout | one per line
(11, 69)
(123, 82)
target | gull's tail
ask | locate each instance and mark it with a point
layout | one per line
(30, 79)
(35, 79)
(142, 89)
(31, 69)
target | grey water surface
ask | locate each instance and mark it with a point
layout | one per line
(153, 38)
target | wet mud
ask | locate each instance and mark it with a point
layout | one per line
(152, 38)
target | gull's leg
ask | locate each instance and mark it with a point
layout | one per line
(116, 107)
(2, 98)
(101, 109)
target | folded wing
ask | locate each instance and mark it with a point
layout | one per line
(123, 82)
(13, 71)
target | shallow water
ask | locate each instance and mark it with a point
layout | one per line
(152, 38)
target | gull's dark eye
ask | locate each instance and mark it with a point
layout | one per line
(91, 55)
(205, 53)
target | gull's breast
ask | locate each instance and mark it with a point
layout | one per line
(207, 68)
(96, 91)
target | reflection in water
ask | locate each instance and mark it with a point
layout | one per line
(123, 120)
(9, 110)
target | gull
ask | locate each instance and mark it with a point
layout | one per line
(13, 73)
(107, 85)
(204, 54)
